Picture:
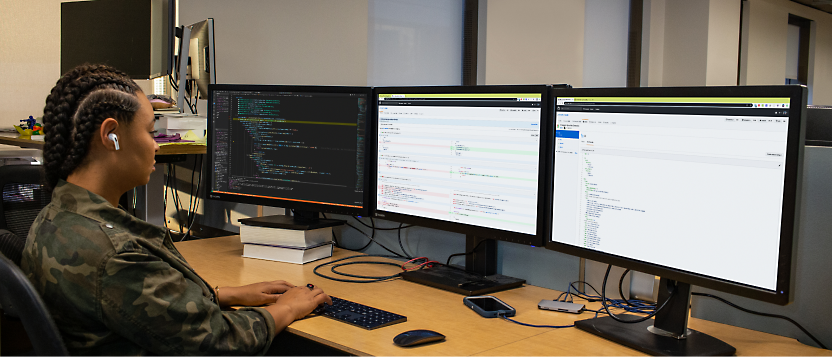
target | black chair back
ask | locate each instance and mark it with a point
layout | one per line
(23, 197)
(19, 299)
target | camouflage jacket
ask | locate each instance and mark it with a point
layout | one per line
(116, 285)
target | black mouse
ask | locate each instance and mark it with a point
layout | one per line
(417, 337)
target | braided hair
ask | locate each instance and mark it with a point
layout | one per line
(78, 104)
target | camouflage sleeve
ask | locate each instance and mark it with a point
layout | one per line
(149, 302)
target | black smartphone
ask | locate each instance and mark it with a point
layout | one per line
(488, 306)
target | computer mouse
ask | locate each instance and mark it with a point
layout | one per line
(417, 337)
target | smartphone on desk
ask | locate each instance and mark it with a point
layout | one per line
(488, 306)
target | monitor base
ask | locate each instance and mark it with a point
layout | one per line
(636, 336)
(460, 281)
(289, 222)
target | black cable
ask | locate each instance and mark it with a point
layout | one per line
(176, 200)
(191, 199)
(196, 201)
(616, 318)
(366, 279)
(165, 208)
(399, 232)
(372, 240)
(381, 229)
(171, 183)
(763, 314)
(448, 262)
(621, 291)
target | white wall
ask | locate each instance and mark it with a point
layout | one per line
(30, 57)
(764, 51)
(723, 42)
(534, 42)
(606, 32)
(652, 44)
(414, 42)
(320, 42)
(765, 60)
(690, 43)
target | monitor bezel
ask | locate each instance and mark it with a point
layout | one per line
(473, 230)
(286, 203)
(791, 191)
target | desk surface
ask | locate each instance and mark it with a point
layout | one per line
(219, 261)
(14, 139)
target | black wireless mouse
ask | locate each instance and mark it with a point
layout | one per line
(417, 337)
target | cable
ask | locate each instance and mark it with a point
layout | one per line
(448, 263)
(365, 279)
(372, 240)
(381, 229)
(196, 201)
(639, 306)
(763, 314)
(530, 325)
(175, 193)
(420, 265)
(399, 233)
(191, 199)
(616, 318)
(165, 208)
(621, 290)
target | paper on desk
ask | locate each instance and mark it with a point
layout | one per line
(190, 136)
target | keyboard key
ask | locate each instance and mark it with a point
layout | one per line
(360, 315)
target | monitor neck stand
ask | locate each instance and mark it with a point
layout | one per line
(479, 276)
(667, 334)
(301, 220)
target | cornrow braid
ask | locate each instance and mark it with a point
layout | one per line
(97, 106)
(61, 122)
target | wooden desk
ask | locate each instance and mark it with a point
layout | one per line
(219, 261)
(179, 149)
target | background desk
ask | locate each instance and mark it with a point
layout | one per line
(219, 261)
(15, 139)
(149, 206)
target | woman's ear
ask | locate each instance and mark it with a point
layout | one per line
(108, 126)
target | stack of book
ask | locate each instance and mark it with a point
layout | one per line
(286, 245)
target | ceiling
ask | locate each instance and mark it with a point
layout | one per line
(822, 5)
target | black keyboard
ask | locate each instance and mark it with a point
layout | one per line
(359, 315)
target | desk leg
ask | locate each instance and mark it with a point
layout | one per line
(150, 198)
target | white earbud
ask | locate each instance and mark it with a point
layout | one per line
(114, 138)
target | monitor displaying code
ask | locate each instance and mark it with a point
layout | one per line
(291, 146)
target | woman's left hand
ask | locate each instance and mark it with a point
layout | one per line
(256, 294)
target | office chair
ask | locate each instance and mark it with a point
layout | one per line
(19, 299)
(23, 198)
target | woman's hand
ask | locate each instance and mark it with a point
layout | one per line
(256, 294)
(295, 304)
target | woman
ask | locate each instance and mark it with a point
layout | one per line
(114, 284)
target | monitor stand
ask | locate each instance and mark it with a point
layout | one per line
(667, 334)
(301, 220)
(478, 277)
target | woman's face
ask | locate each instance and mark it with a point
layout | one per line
(138, 149)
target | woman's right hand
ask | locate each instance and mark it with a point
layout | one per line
(295, 303)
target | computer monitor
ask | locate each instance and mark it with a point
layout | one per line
(203, 68)
(463, 159)
(699, 186)
(142, 46)
(196, 62)
(297, 147)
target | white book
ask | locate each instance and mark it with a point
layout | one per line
(294, 255)
(284, 237)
